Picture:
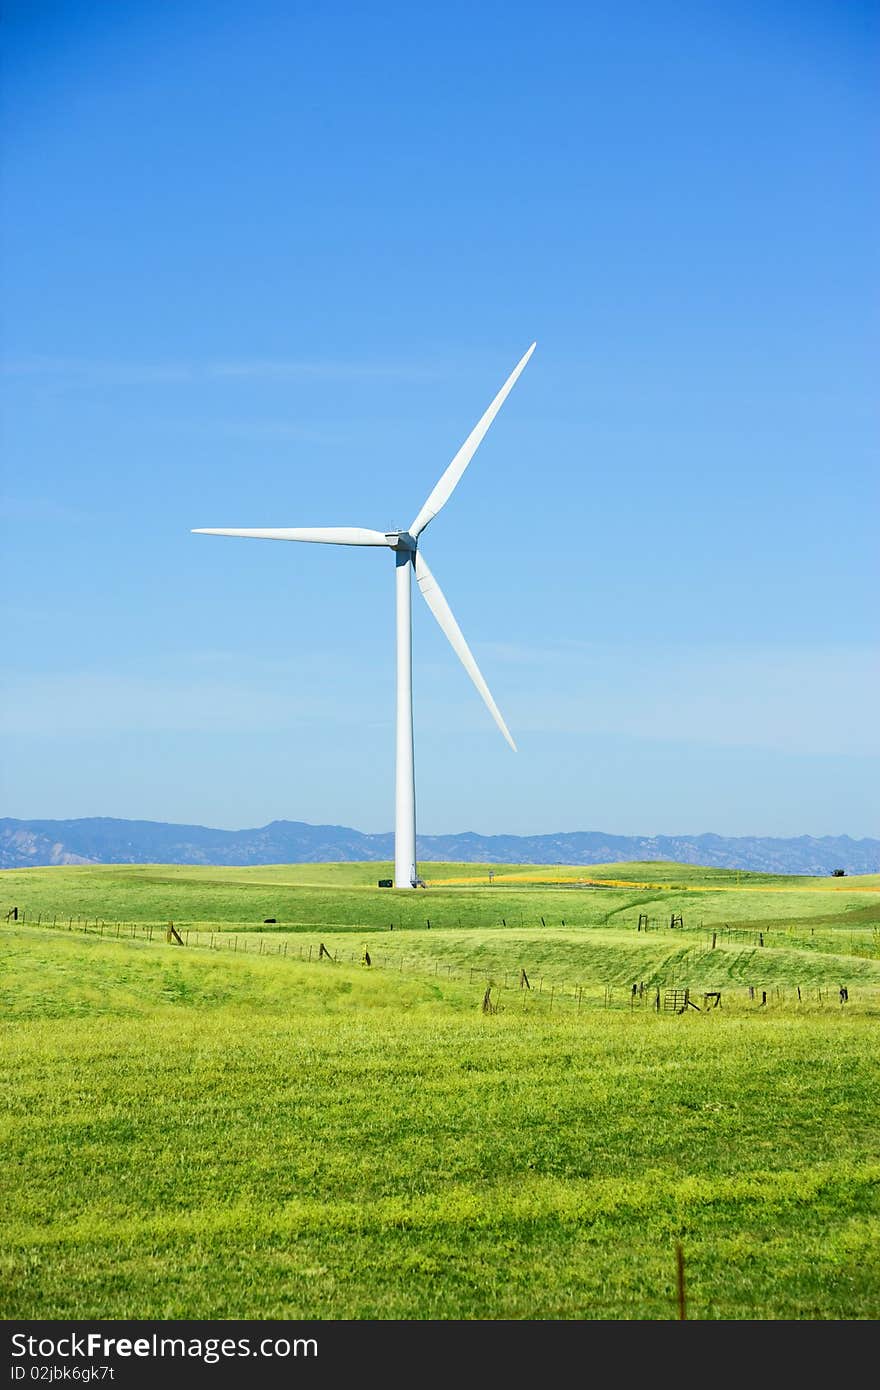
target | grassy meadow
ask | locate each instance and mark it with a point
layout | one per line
(248, 1132)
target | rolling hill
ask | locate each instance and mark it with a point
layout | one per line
(103, 840)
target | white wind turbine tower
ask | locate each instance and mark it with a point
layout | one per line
(408, 557)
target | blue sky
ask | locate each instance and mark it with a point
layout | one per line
(267, 264)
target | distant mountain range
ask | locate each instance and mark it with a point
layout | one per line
(101, 840)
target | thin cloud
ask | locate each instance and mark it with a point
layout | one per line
(79, 703)
(348, 371)
(93, 373)
(815, 700)
(43, 509)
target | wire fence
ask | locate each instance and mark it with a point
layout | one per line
(674, 990)
(672, 925)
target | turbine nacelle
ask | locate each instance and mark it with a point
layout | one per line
(401, 540)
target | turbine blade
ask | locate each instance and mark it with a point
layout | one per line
(433, 596)
(328, 535)
(448, 483)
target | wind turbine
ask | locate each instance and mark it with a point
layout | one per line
(408, 558)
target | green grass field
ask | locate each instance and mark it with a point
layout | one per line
(345, 895)
(242, 1132)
